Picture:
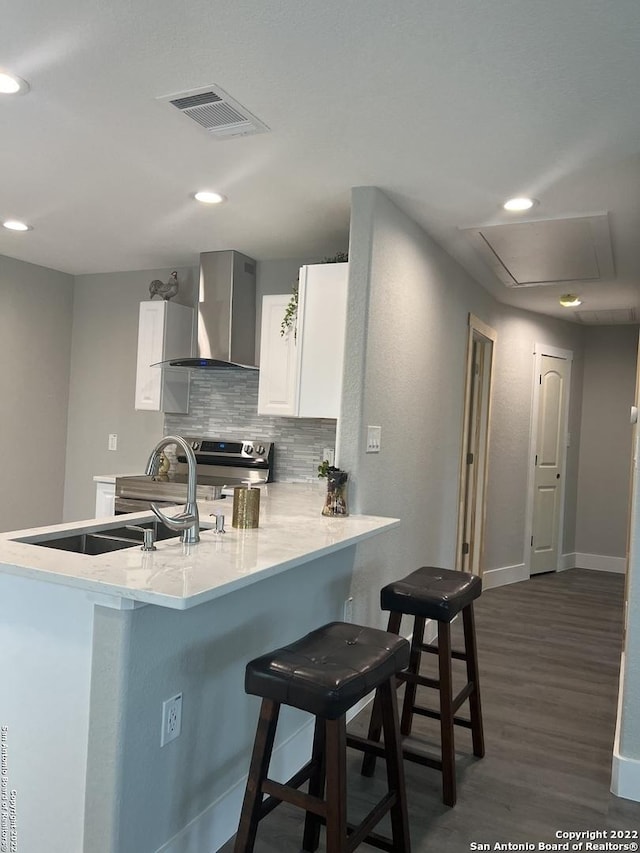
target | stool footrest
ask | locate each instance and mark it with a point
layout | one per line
(414, 678)
(377, 749)
(373, 839)
(290, 794)
(433, 650)
(362, 832)
(435, 715)
(365, 745)
(423, 681)
(303, 775)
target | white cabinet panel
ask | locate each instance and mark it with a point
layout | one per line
(277, 390)
(322, 314)
(301, 374)
(105, 498)
(164, 331)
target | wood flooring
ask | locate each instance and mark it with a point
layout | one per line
(549, 654)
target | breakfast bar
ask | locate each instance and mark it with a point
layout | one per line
(93, 645)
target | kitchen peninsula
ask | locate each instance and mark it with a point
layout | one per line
(93, 645)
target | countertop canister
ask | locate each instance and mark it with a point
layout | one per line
(246, 507)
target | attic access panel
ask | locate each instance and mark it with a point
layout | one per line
(549, 251)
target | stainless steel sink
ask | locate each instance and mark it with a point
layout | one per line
(104, 540)
(87, 543)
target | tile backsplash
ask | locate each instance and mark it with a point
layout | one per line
(224, 403)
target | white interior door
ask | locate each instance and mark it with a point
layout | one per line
(550, 461)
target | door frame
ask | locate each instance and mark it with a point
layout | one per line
(555, 352)
(478, 331)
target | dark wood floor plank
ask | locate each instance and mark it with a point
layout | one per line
(549, 655)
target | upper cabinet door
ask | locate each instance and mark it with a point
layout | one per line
(164, 331)
(277, 389)
(301, 373)
(322, 315)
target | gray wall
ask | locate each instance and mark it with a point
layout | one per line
(103, 369)
(407, 320)
(518, 332)
(605, 440)
(35, 346)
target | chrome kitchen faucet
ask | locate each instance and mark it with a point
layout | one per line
(188, 521)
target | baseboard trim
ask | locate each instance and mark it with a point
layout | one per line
(595, 562)
(492, 578)
(625, 772)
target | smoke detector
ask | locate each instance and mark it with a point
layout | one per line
(216, 111)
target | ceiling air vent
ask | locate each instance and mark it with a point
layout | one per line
(214, 110)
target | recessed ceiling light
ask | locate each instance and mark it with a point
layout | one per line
(16, 225)
(207, 197)
(519, 204)
(12, 85)
(570, 300)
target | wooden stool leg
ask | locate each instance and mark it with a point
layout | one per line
(312, 822)
(475, 707)
(414, 666)
(258, 769)
(336, 758)
(446, 714)
(395, 770)
(375, 724)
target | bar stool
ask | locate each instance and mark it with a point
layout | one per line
(326, 673)
(440, 594)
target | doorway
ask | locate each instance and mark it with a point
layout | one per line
(548, 457)
(475, 446)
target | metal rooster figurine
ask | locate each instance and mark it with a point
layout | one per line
(165, 291)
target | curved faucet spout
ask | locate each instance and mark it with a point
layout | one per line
(189, 520)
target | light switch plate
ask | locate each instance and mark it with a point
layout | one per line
(113, 441)
(374, 437)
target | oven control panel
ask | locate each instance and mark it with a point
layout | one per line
(231, 448)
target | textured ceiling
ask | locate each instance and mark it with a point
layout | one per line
(450, 106)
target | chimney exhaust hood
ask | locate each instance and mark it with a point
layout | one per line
(226, 331)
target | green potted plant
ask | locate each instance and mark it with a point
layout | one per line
(336, 500)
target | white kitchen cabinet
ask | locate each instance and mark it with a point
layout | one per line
(165, 331)
(105, 496)
(301, 374)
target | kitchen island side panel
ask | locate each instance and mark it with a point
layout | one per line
(198, 779)
(45, 671)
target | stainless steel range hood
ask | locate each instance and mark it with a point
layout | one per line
(226, 330)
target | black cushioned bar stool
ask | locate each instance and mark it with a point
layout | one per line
(440, 594)
(326, 673)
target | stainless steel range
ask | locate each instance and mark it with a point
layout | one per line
(222, 464)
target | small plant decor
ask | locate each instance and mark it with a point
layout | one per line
(291, 311)
(323, 469)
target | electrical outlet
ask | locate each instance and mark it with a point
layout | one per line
(113, 441)
(171, 719)
(328, 454)
(374, 437)
(348, 609)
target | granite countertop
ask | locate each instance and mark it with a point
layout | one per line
(292, 531)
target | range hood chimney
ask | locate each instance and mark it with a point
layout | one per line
(226, 332)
